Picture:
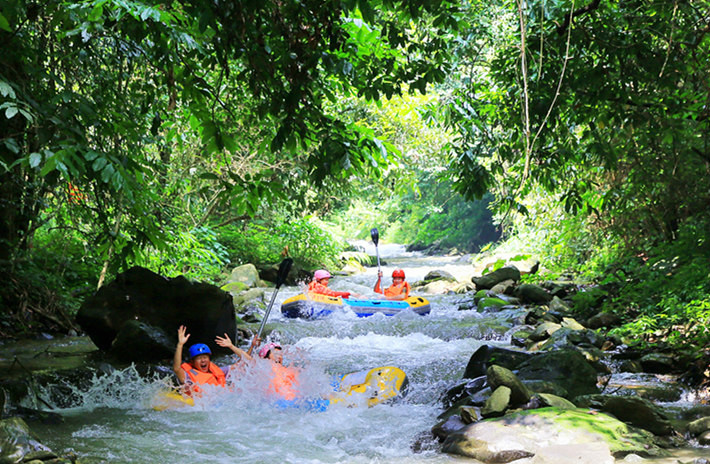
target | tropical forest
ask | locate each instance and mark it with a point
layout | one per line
(184, 173)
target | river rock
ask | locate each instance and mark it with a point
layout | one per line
(352, 267)
(544, 331)
(500, 376)
(543, 314)
(161, 303)
(554, 401)
(697, 427)
(636, 411)
(246, 274)
(17, 442)
(659, 363)
(497, 403)
(603, 319)
(448, 426)
(567, 368)
(436, 287)
(543, 386)
(462, 390)
(487, 281)
(242, 298)
(480, 294)
(539, 431)
(532, 293)
(487, 355)
(506, 287)
(571, 338)
(558, 305)
(571, 323)
(439, 275)
(490, 304)
(470, 414)
(646, 386)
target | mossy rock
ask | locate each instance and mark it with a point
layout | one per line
(535, 431)
(234, 287)
(490, 303)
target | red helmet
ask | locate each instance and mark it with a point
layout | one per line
(398, 273)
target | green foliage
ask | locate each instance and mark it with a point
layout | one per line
(196, 254)
(450, 222)
(662, 295)
(357, 257)
(596, 112)
(308, 243)
(414, 202)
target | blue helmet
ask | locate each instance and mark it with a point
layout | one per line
(198, 349)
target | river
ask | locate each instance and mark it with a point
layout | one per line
(112, 422)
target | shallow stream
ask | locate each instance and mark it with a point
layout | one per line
(114, 423)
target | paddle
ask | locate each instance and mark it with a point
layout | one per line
(284, 267)
(375, 239)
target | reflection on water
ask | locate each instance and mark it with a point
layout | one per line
(113, 422)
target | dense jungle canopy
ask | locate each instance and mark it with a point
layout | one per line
(188, 136)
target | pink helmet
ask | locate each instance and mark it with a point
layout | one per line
(264, 351)
(321, 274)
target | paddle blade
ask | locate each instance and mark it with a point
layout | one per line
(375, 236)
(284, 269)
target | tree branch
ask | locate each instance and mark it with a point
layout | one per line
(562, 28)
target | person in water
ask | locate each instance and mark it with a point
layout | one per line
(284, 380)
(399, 290)
(200, 370)
(319, 284)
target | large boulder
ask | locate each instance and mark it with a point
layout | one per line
(246, 274)
(560, 435)
(566, 368)
(156, 307)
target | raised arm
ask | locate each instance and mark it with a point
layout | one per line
(177, 359)
(378, 288)
(226, 342)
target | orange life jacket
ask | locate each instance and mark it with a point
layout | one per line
(214, 376)
(393, 291)
(284, 381)
(396, 290)
(317, 287)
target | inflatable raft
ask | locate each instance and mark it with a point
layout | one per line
(363, 388)
(314, 306)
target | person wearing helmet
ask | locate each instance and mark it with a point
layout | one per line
(200, 370)
(399, 290)
(284, 379)
(319, 284)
